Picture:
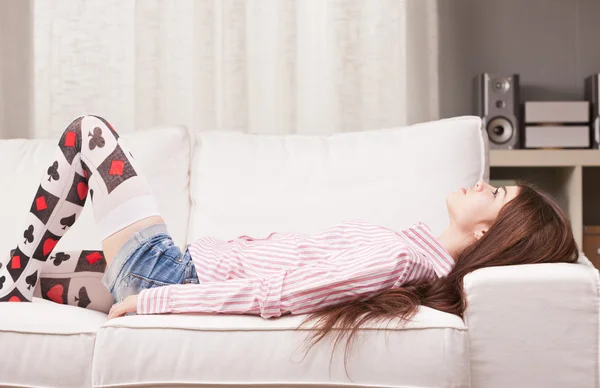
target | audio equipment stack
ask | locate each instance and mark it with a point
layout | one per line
(592, 95)
(556, 124)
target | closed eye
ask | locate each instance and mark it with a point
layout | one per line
(496, 192)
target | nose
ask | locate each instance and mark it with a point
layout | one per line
(480, 185)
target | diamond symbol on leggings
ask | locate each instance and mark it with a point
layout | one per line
(15, 262)
(70, 138)
(40, 203)
(18, 263)
(116, 167)
(70, 141)
(91, 261)
(43, 204)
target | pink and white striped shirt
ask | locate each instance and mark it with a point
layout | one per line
(292, 273)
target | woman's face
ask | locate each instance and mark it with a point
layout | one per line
(474, 209)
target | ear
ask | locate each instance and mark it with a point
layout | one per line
(479, 234)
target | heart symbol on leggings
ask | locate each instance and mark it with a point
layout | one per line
(55, 293)
(82, 189)
(48, 246)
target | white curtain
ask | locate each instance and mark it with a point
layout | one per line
(261, 66)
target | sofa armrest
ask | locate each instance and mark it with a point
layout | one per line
(534, 325)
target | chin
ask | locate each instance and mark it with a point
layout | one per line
(451, 201)
(452, 195)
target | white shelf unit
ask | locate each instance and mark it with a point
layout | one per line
(571, 176)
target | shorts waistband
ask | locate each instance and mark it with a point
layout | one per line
(150, 231)
(142, 235)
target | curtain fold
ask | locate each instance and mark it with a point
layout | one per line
(260, 66)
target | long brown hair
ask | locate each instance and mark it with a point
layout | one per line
(529, 229)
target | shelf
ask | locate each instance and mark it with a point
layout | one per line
(572, 177)
(544, 158)
(563, 181)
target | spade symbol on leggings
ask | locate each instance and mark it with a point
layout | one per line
(28, 235)
(84, 299)
(67, 221)
(31, 280)
(97, 140)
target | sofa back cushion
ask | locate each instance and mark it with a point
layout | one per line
(164, 156)
(247, 184)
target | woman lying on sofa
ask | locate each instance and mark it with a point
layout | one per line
(346, 275)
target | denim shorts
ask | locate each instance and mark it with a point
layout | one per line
(148, 259)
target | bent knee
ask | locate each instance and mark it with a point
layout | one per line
(102, 121)
(87, 123)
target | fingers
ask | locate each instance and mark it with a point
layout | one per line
(123, 307)
(116, 310)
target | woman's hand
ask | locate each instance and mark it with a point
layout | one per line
(128, 305)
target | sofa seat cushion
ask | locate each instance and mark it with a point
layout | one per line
(431, 351)
(44, 344)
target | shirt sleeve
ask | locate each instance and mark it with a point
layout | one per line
(355, 272)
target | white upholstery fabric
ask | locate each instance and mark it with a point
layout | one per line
(164, 154)
(431, 351)
(528, 326)
(256, 184)
(44, 344)
(534, 326)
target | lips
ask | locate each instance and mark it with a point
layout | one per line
(464, 191)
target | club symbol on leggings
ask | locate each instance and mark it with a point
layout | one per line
(97, 140)
(53, 172)
(60, 257)
(28, 235)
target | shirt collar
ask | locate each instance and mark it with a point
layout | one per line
(419, 237)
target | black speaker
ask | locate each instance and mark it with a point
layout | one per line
(592, 94)
(497, 103)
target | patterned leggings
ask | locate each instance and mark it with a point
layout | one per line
(91, 161)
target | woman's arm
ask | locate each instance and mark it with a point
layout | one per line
(355, 272)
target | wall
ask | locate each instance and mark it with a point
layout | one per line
(552, 44)
(15, 67)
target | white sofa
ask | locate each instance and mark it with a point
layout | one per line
(526, 326)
